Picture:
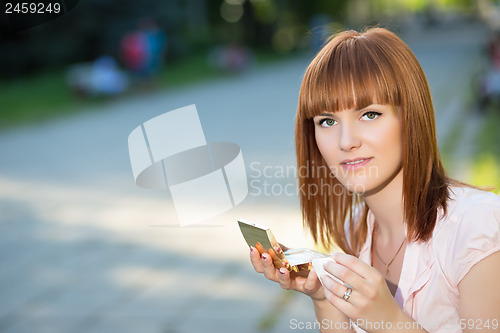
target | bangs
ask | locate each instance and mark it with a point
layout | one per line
(350, 74)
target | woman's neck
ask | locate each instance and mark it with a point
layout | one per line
(386, 205)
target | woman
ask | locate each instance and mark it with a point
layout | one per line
(421, 249)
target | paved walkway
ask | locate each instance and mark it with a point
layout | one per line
(82, 249)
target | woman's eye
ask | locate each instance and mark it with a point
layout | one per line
(371, 115)
(327, 122)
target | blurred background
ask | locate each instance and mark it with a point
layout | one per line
(83, 249)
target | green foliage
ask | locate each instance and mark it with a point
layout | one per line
(486, 166)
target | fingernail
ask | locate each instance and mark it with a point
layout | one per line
(264, 257)
(282, 271)
(251, 248)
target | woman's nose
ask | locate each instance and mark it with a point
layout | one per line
(349, 138)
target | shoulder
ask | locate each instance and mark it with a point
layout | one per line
(469, 232)
(469, 207)
(466, 198)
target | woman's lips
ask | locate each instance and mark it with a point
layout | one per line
(356, 163)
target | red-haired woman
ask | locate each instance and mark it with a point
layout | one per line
(421, 249)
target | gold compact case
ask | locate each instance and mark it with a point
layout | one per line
(261, 237)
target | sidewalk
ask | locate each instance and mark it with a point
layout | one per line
(82, 249)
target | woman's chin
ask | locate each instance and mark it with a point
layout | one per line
(356, 187)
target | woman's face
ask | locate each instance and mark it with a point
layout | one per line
(363, 148)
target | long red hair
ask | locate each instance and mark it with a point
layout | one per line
(354, 70)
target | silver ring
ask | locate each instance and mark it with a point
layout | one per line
(347, 294)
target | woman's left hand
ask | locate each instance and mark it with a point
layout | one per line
(370, 300)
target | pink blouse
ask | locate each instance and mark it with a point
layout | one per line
(428, 286)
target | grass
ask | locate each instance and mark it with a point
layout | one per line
(47, 95)
(486, 165)
(34, 99)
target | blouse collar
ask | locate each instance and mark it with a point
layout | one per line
(417, 264)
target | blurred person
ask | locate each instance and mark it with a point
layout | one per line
(143, 51)
(107, 78)
(489, 89)
(103, 77)
(494, 50)
(133, 51)
(421, 250)
(156, 43)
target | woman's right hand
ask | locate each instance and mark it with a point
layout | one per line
(310, 285)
